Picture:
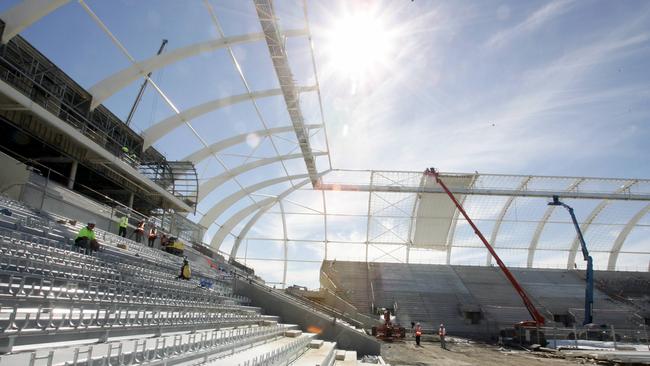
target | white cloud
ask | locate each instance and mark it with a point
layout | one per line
(536, 20)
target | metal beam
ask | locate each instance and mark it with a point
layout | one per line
(540, 226)
(199, 155)
(26, 13)
(486, 192)
(214, 182)
(160, 129)
(620, 239)
(275, 43)
(123, 78)
(218, 209)
(590, 219)
(285, 245)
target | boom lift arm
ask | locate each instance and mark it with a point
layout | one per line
(532, 310)
(589, 291)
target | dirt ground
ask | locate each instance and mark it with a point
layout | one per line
(463, 352)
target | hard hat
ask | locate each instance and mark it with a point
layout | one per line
(91, 222)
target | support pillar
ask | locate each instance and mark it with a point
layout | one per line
(131, 197)
(73, 174)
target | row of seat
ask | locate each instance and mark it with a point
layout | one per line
(283, 355)
(124, 265)
(50, 291)
(75, 269)
(472, 300)
(139, 255)
(124, 306)
(170, 348)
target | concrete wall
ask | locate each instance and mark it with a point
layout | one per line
(275, 303)
(61, 201)
(14, 176)
(330, 299)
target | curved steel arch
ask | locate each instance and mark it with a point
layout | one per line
(585, 225)
(235, 219)
(244, 231)
(26, 13)
(285, 246)
(199, 155)
(502, 214)
(620, 239)
(212, 184)
(542, 223)
(216, 210)
(160, 129)
(123, 78)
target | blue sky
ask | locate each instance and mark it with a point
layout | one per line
(537, 87)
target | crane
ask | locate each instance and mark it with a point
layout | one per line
(538, 319)
(589, 291)
(142, 87)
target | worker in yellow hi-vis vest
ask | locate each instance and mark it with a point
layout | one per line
(186, 272)
(124, 223)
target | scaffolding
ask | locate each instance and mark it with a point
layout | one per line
(33, 75)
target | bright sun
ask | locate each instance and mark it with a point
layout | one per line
(358, 46)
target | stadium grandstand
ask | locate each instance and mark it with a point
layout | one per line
(190, 207)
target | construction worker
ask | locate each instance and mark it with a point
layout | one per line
(186, 272)
(442, 333)
(86, 238)
(418, 334)
(124, 223)
(139, 231)
(153, 233)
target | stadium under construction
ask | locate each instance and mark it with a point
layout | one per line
(224, 165)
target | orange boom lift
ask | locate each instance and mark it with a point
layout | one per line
(538, 319)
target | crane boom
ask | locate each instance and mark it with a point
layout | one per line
(142, 87)
(589, 290)
(532, 310)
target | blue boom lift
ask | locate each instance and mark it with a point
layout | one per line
(589, 292)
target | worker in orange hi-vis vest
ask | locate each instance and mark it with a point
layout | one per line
(139, 231)
(442, 332)
(418, 334)
(153, 234)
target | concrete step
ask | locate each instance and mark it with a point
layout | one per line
(349, 359)
(322, 356)
(293, 333)
(316, 343)
(340, 355)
